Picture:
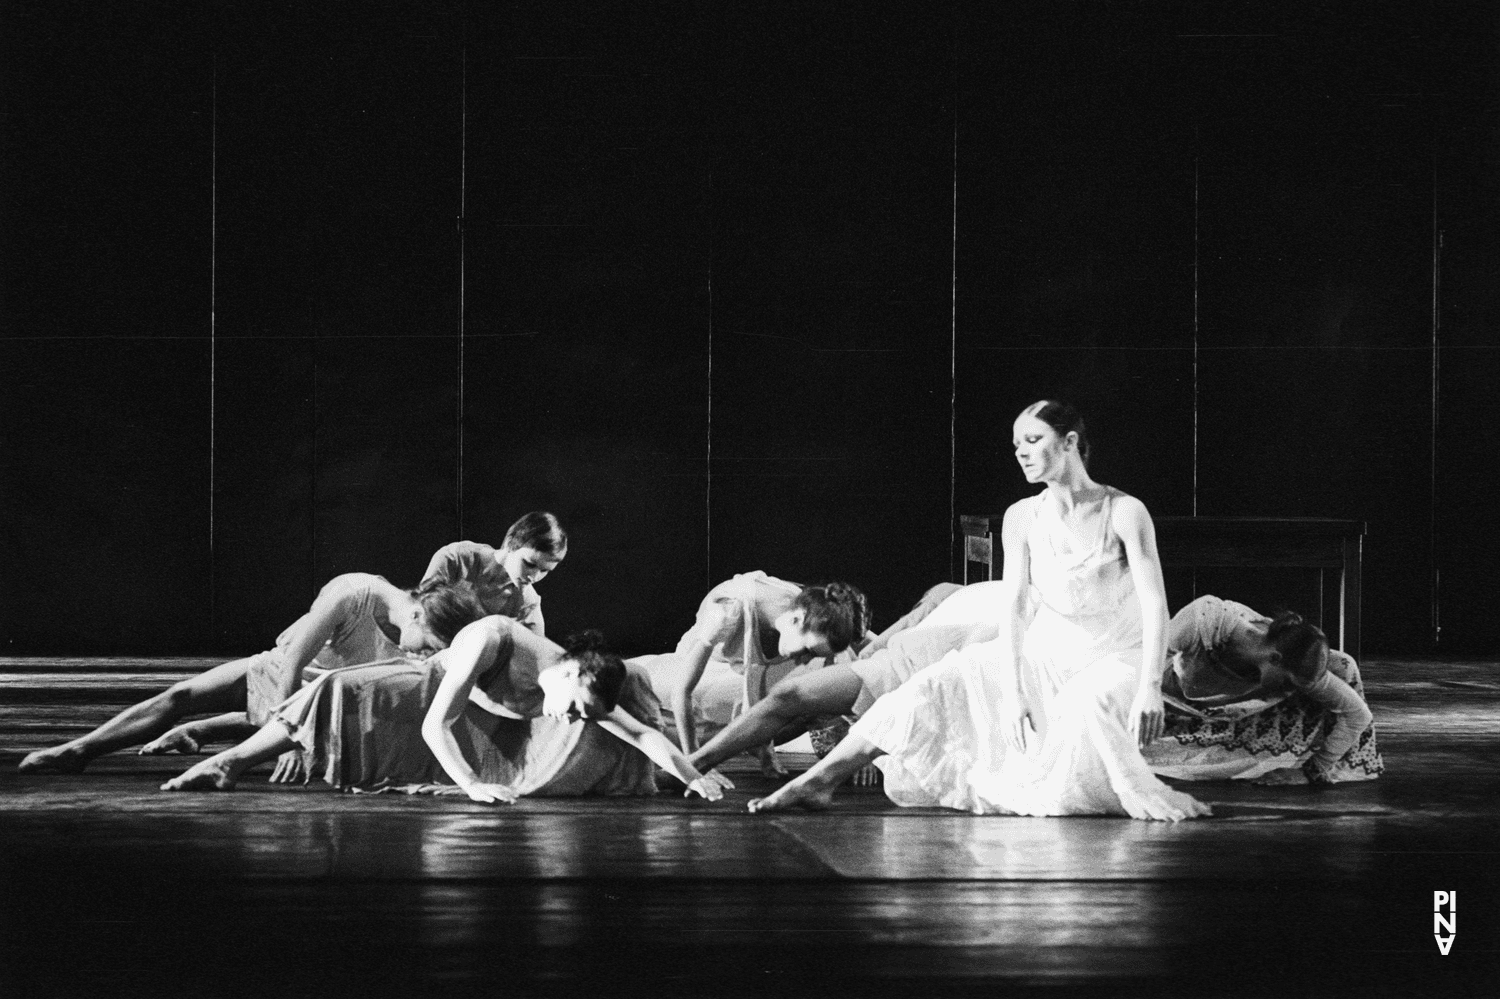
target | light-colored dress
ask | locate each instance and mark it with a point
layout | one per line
(1080, 657)
(1222, 725)
(356, 639)
(361, 728)
(737, 621)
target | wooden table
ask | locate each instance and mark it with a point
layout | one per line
(1260, 542)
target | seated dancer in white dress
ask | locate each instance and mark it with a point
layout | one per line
(503, 579)
(1077, 661)
(846, 687)
(752, 632)
(356, 618)
(1249, 696)
(502, 713)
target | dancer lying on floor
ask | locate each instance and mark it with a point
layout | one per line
(500, 714)
(846, 688)
(752, 632)
(356, 618)
(1081, 667)
(1255, 697)
(502, 579)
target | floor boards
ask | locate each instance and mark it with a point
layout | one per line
(109, 888)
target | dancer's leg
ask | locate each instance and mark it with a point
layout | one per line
(219, 772)
(217, 690)
(189, 737)
(830, 690)
(814, 789)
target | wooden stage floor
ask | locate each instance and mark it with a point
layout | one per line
(109, 888)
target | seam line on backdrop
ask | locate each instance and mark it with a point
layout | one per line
(1196, 182)
(463, 179)
(708, 465)
(1437, 275)
(953, 364)
(213, 319)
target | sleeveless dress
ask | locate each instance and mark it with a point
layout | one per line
(361, 729)
(356, 639)
(1080, 657)
(734, 620)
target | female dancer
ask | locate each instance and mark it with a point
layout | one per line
(1246, 694)
(356, 618)
(1082, 670)
(504, 579)
(502, 713)
(846, 688)
(725, 662)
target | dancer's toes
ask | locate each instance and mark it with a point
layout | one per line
(176, 741)
(58, 760)
(204, 776)
(794, 795)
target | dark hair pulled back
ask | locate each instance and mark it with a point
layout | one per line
(1065, 419)
(601, 670)
(837, 611)
(448, 606)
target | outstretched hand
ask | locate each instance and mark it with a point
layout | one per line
(1148, 715)
(709, 787)
(491, 794)
(290, 768)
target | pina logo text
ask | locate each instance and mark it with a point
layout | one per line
(1445, 919)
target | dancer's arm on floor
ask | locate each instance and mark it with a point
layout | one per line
(474, 649)
(1138, 534)
(623, 726)
(1014, 585)
(692, 658)
(1352, 716)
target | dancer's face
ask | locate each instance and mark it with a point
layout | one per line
(1040, 452)
(795, 641)
(566, 696)
(528, 566)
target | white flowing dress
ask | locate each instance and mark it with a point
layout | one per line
(1080, 658)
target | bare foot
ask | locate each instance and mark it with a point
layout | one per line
(57, 760)
(179, 740)
(204, 776)
(800, 793)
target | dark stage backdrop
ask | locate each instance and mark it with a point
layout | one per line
(294, 290)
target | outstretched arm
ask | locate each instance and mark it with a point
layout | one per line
(1133, 525)
(474, 650)
(623, 726)
(690, 665)
(313, 629)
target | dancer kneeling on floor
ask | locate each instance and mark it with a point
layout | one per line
(356, 618)
(846, 688)
(500, 714)
(752, 632)
(1077, 661)
(1249, 696)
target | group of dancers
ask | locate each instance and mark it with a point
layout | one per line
(1061, 689)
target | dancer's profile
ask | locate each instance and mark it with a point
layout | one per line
(356, 618)
(501, 714)
(1049, 717)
